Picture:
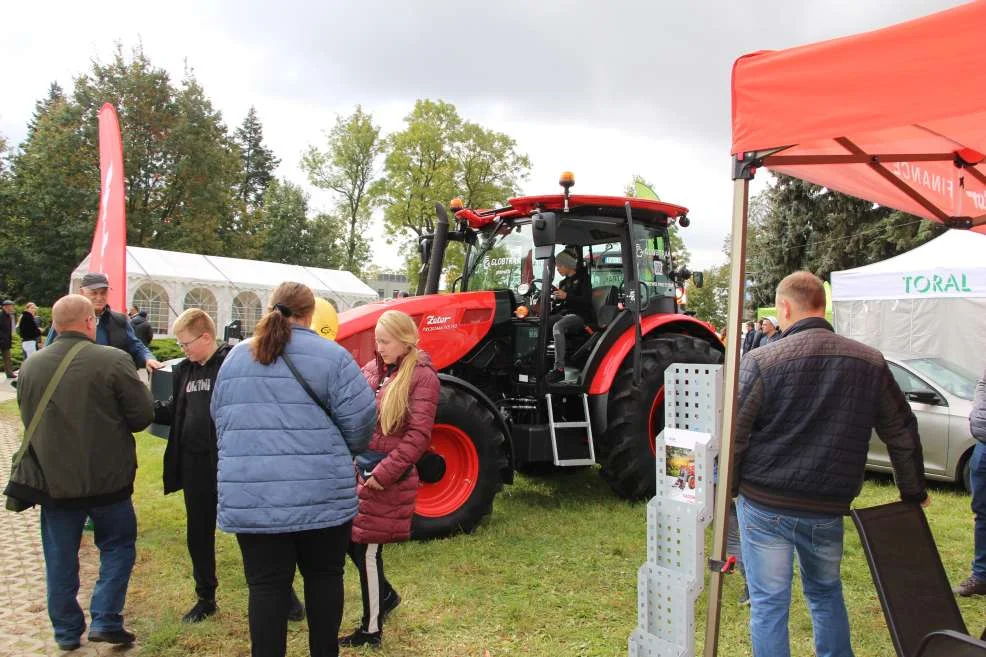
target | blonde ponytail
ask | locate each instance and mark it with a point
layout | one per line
(395, 403)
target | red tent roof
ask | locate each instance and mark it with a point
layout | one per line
(896, 116)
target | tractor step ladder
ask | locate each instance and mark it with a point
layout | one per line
(583, 424)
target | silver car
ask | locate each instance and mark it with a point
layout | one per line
(940, 394)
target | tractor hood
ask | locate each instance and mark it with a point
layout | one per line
(449, 325)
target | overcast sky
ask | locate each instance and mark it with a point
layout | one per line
(605, 89)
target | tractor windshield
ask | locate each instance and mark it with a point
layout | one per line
(503, 260)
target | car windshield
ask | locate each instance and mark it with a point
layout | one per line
(953, 378)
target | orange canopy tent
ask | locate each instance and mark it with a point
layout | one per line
(896, 116)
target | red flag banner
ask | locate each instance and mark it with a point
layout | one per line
(109, 242)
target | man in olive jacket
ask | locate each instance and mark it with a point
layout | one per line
(82, 462)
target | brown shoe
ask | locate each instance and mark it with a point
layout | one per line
(970, 586)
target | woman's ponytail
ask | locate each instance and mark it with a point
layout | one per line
(274, 329)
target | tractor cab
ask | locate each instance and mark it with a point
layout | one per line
(631, 272)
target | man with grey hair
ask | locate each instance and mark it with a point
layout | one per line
(808, 405)
(113, 329)
(81, 403)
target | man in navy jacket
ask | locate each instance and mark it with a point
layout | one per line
(808, 406)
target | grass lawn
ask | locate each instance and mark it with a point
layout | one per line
(553, 572)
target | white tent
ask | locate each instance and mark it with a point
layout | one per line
(928, 301)
(165, 283)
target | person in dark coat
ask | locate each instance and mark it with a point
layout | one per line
(7, 323)
(29, 328)
(142, 327)
(114, 329)
(191, 454)
(808, 406)
(771, 331)
(407, 391)
(572, 309)
(748, 337)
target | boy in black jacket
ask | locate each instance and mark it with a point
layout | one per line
(572, 309)
(191, 455)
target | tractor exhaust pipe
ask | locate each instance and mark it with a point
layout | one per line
(439, 241)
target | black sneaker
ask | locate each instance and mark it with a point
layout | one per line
(555, 376)
(117, 637)
(361, 638)
(297, 611)
(970, 586)
(202, 610)
(388, 604)
(70, 646)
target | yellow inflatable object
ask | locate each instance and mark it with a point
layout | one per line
(325, 321)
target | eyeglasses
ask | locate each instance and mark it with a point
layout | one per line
(184, 345)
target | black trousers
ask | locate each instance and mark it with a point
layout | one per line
(368, 559)
(198, 477)
(269, 561)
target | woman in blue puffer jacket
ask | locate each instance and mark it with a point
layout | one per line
(287, 487)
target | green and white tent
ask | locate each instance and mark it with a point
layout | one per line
(930, 301)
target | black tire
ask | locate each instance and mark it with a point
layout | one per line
(966, 472)
(629, 465)
(459, 409)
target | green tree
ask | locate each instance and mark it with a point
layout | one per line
(52, 199)
(435, 158)
(182, 168)
(709, 302)
(489, 168)
(679, 252)
(796, 225)
(287, 233)
(419, 171)
(330, 239)
(259, 162)
(347, 168)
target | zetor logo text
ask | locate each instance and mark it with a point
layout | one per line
(438, 322)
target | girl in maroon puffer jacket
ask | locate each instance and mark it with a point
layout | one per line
(407, 392)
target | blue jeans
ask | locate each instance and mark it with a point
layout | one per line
(977, 470)
(770, 537)
(115, 534)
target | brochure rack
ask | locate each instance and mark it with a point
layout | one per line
(673, 577)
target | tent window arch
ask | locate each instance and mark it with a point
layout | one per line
(247, 308)
(204, 300)
(153, 299)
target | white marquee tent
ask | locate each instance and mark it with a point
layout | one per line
(929, 301)
(165, 283)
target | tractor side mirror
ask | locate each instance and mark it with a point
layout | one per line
(698, 278)
(544, 227)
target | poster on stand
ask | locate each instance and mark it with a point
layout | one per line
(679, 445)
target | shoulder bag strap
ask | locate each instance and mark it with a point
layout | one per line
(46, 397)
(304, 384)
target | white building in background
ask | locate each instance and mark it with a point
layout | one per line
(389, 284)
(166, 283)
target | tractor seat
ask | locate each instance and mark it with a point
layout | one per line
(604, 303)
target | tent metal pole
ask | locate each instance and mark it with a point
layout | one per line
(737, 279)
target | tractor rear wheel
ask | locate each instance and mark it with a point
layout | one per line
(636, 414)
(467, 435)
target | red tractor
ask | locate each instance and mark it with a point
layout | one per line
(490, 342)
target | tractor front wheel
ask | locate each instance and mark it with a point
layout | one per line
(636, 414)
(467, 436)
